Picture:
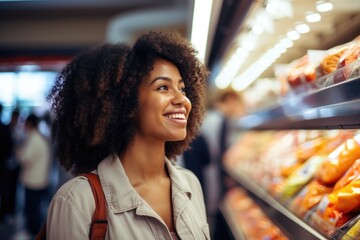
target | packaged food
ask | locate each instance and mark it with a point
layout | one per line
(330, 61)
(350, 175)
(309, 197)
(337, 208)
(301, 71)
(342, 204)
(351, 54)
(347, 198)
(339, 161)
(349, 63)
(252, 221)
(309, 148)
(300, 177)
(353, 232)
(318, 149)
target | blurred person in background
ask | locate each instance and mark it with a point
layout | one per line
(10, 201)
(16, 129)
(197, 157)
(34, 156)
(230, 104)
(6, 150)
(124, 113)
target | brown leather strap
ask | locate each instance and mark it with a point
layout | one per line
(99, 219)
(42, 233)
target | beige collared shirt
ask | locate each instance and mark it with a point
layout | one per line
(129, 216)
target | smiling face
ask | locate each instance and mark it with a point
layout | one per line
(163, 105)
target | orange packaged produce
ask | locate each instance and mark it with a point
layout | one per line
(309, 197)
(350, 175)
(348, 64)
(252, 221)
(308, 149)
(339, 161)
(330, 61)
(301, 71)
(340, 206)
(317, 152)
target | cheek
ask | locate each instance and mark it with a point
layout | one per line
(150, 109)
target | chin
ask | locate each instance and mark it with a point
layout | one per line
(177, 138)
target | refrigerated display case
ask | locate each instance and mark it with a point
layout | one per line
(327, 108)
(321, 104)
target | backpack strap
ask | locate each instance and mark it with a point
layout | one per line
(99, 222)
(41, 235)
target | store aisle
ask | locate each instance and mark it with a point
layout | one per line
(13, 227)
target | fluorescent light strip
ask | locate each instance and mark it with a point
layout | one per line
(255, 70)
(228, 74)
(324, 6)
(200, 26)
(293, 35)
(302, 28)
(312, 17)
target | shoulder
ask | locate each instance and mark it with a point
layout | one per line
(75, 187)
(76, 194)
(72, 205)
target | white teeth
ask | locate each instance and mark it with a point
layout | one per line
(176, 116)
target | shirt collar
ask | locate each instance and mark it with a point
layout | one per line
(120, 194)
(116, 185)
(178, 182)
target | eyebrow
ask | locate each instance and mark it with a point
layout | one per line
(165, 79)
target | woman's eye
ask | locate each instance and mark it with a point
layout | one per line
(183, 90)
(162, 88)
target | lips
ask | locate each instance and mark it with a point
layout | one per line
(177, 118)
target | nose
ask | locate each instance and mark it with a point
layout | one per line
(179, 98)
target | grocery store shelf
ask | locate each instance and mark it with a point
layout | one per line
(280, 215)
(231, 221)
(333, 107)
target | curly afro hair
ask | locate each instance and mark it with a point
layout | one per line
(95, 98)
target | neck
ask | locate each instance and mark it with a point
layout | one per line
(144, 161)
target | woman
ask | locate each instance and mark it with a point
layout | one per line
(124, 113)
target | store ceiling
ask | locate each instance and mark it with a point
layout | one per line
(338, 26)
(45, 26)
(34, 8)
(36, 26)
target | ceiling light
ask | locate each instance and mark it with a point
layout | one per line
(324, 6)
(302, 28)
(263, 19)
(200, 26)
(280, 48)
(271, 7)
(249, 45)
(257, 29)
(286, 42)
(248, 41)
(293, 35)
(279, 8)
(28, 68)
(313, 17)
(242, 52)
